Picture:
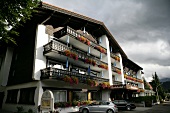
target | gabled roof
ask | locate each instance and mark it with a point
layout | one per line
(59, 17)
(130, 64)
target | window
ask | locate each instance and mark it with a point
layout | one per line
(27, 96)
(96, 95)
(60, 96)
(78, 95)
(12, 96)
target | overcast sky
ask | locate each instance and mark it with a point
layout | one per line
(141, 27)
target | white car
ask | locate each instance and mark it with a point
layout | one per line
(99, 106)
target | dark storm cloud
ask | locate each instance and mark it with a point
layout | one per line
(141, 27)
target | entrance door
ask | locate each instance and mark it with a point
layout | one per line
(1, 99)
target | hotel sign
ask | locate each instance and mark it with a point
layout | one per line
(47, 101)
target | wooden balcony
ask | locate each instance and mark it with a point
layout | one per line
(55, 49)
(114, 57)
(80, 41)
(59, 74)
(116, 70)
(133, 79)
(124, 86)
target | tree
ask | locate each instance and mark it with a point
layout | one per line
(157, 86)
(146, 85)
(12, 14)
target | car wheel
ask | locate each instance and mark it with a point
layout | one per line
(128, 108)
(110, 111)
(85, 111)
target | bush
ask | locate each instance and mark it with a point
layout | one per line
(20, 109)
(148, 103)
(147, 99)
(30, 111)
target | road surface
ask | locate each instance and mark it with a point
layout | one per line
(162, 108)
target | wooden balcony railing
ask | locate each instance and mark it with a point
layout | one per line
(59, 74)
(114, 56)
(124, 86)
(133, 79)
(116, 70)
(62, 49)
(69, 31)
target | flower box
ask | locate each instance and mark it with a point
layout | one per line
(92, 83)
(102, 50)
(84, 40)
(103, 66)
(75, 79)
(90, 61)
(71, 54)
(68, 79)
(105, 85)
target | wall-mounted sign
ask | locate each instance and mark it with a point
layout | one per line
(47, 101)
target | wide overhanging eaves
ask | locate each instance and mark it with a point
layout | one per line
(130, 64)
(58, 17)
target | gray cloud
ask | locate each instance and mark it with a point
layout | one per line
(141, 27)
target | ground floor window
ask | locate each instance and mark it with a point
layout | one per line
(60, 95)
(96, 95)
(79, 96)
(27, 96)
(12, 96)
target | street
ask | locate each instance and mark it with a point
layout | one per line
(162, 108)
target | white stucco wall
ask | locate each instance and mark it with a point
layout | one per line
(139, 76)
(107, 73)
(121, 67)
(106, 95)
(40, 60)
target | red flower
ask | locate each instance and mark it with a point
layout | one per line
(75, 79)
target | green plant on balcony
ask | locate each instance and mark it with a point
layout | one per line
(104, 66)
(71, 54)
(75, 79)
(142, 90)
(90, 61)
(68, 79)
(105, 85)
(74, 56)
(101, 49)
(138, 80)
(81, 38)
(118, 71)
(67, 53)
(84, 40)
(93, 62)
(92, 83)
(88, 42)
(125, 76)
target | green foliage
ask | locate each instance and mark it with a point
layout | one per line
(144, 98)
(30, 111)
(157, 86)
(146, 84)
(20, 109)
(12, 14)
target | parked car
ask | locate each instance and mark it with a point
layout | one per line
(123, 104)
(99, 106)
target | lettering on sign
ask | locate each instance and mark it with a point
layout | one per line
(47, 101)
